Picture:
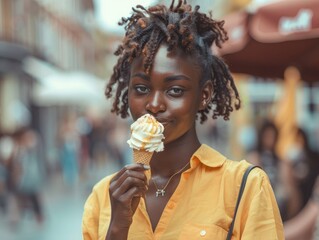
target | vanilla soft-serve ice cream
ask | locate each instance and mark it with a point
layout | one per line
(146, 138)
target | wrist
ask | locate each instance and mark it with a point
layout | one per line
(118, 232)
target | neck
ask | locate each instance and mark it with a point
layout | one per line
(176, 155)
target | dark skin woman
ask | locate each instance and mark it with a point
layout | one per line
(176, 96)
(166, 68)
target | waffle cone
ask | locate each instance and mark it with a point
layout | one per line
(143, 157)
(140, 156)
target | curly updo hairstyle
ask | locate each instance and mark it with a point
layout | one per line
(179, 27)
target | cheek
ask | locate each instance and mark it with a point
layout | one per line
(136, 106)
(176, 105)
(184, 113)
(185, 106)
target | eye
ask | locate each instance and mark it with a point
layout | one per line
(175, 91)
(141, 89)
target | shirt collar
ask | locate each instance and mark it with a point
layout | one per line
(208, 156)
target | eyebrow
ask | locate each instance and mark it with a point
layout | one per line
(167, 79)
(142, 75)
(176, 77)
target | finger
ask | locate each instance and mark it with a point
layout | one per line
(134, 192)
(127, 173)
(133, 166)
(127, 184)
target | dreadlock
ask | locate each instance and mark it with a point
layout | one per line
(179, 27)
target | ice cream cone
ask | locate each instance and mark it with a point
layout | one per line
(143, 157)
(140, 156)
(146, 138)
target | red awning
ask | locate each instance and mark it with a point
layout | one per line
(278, 35)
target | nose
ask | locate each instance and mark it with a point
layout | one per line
(155, 103)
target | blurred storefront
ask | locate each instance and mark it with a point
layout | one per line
(14, 86)
(266, 39)
(44, 42)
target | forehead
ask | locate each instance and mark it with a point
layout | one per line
(170, 62)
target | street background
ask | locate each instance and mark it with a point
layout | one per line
(58, 137)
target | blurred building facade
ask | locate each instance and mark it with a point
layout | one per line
(55, 34)
(59, 31)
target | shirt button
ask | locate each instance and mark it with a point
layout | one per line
(202, 233)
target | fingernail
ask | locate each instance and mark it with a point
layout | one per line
(146, 167)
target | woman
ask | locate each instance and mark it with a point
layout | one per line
(305, 164)
(279, 172)
(166, 68)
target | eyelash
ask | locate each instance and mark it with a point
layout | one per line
(174, 94)
(139, 91)
(171, 92)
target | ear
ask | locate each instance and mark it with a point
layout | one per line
(206, 95)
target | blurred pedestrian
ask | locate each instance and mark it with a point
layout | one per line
(305, 165)
(279, 172)
(69, 147)
(6, 151)
(166, 68)
(27, 172)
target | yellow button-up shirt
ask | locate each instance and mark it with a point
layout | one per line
(201, 207)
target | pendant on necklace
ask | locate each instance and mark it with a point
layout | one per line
(160, 192)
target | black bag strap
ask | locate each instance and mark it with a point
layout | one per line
(241, 190)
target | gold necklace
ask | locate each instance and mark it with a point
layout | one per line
(161, 191)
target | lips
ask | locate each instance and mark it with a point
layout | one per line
(163, 121)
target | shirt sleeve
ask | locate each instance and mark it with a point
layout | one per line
(90, 220)
(260, 217)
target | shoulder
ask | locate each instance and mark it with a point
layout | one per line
(235, 170)
(229, 170)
